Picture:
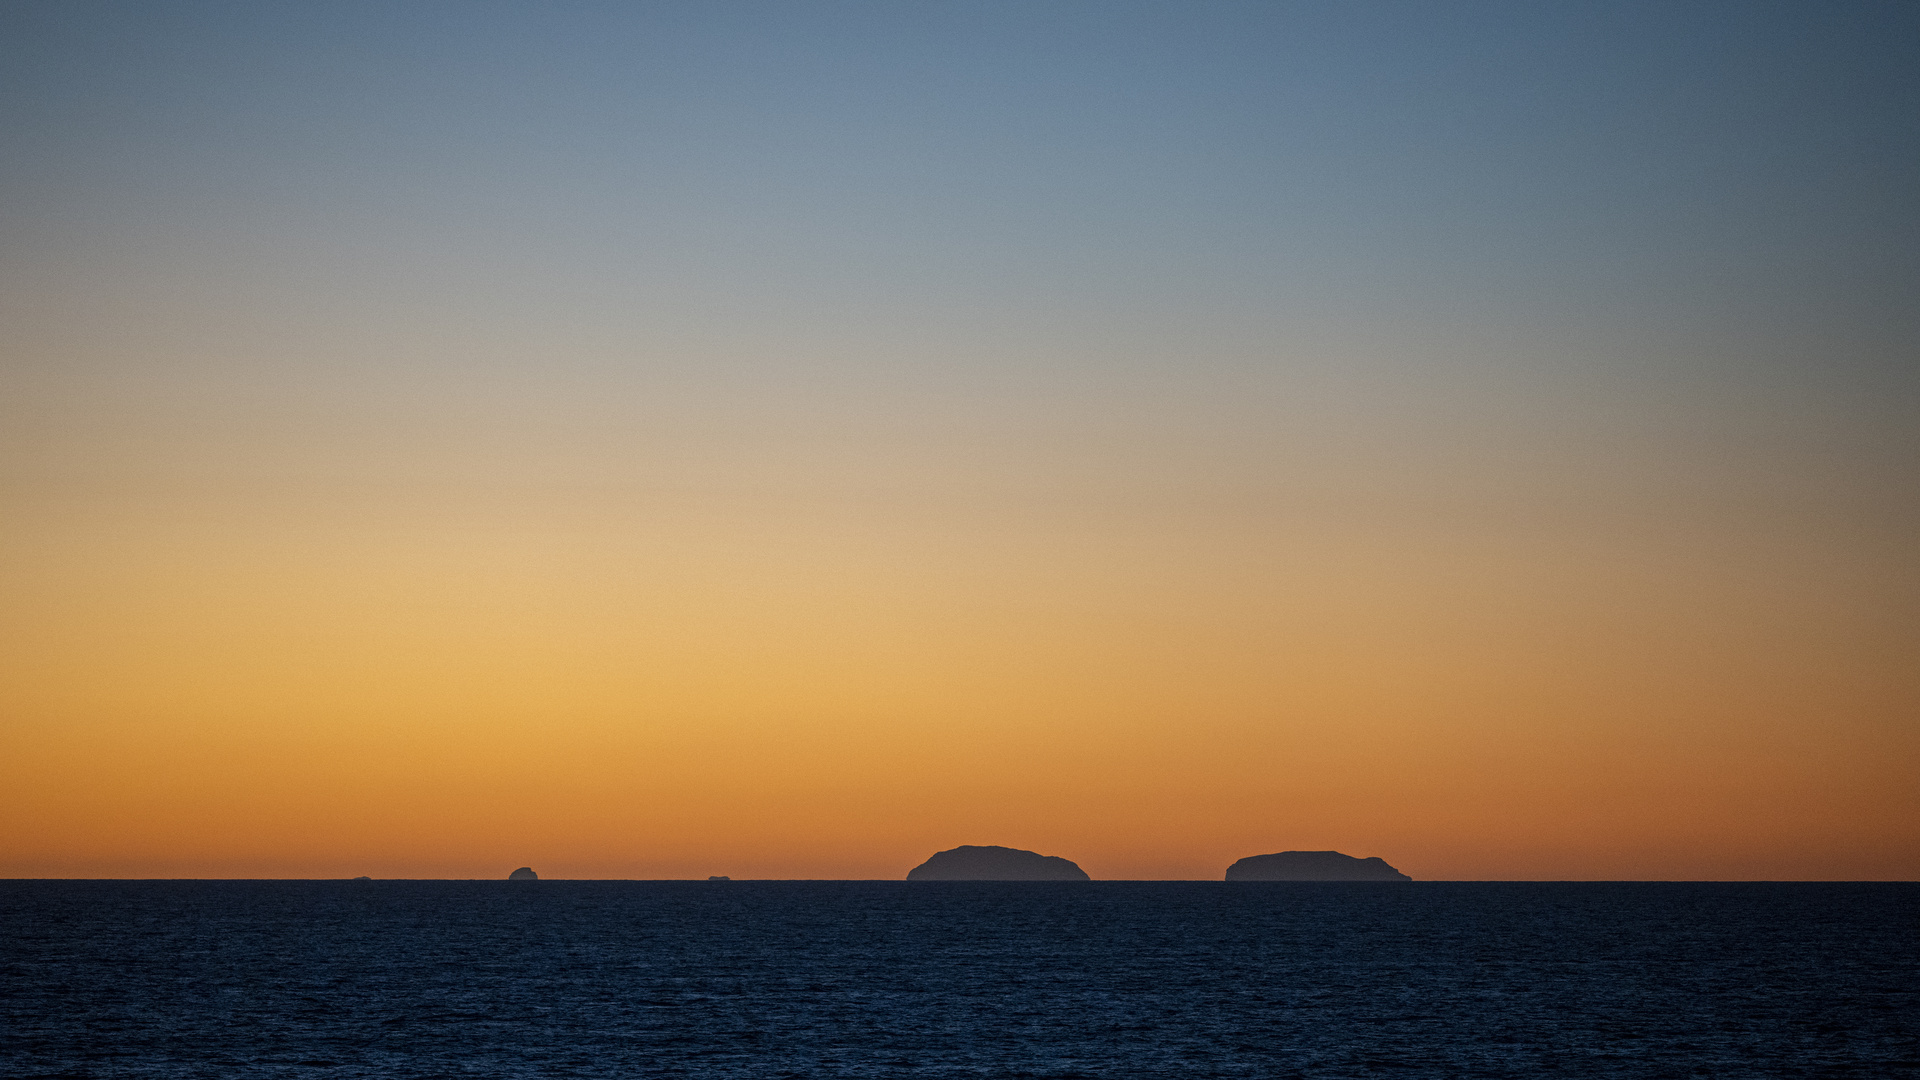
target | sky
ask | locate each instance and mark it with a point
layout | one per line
(782, 440)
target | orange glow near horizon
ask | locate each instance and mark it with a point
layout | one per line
(785, 440)
(639, 684)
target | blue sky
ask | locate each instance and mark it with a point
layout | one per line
(1478, 342)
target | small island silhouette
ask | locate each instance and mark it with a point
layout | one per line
(989, 863)
(525, 873)
(1312, 866)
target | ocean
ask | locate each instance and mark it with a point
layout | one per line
(957, 979)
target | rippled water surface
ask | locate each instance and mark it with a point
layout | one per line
(1106, 979)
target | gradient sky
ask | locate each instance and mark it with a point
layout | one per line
(786, 439)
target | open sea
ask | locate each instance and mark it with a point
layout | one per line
(957, 979)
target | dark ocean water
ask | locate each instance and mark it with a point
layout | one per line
(1104, 979)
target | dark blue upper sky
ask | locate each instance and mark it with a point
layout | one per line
(1717, 163)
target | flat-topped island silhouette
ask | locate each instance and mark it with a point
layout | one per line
(1312, 866)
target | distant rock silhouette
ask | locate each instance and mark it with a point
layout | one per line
(363, 877)
(525, 873)
(719, 877)
(972, 863)
(1312, 866)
